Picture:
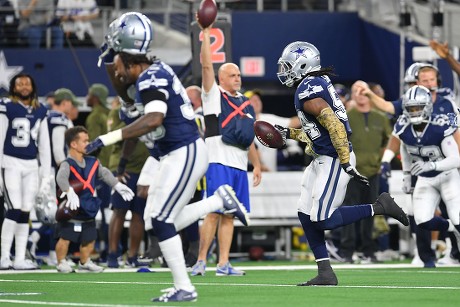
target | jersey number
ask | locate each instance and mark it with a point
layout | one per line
(23, 132)
(433, 153)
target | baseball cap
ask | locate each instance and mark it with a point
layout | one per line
(249, 94)
(64, 93)
(100, 91)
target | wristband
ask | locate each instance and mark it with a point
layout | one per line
(111, 137)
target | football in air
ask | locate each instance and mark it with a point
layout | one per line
(207, 13)
(268, 135)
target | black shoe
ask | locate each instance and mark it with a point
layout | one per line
(385, 205)
(324, 279)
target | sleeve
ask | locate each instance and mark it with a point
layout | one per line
(104, 174)
(62, 176)
(58, 142)
(44, 151)
(452, 157)
(405, 158)
(3, 129)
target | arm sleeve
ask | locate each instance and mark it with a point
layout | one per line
(3, 128)
(62, 177)
(405, 158)
(104, 174)
(337, 133)
(58, 144)
(450, 150)
(44, 150)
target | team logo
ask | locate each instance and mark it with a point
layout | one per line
(7, 72)
(310, 90)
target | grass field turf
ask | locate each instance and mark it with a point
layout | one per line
(266, 285)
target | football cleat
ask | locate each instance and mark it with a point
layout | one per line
(232, 205)
(386, 205)
(323, 279)
(177, 295)
(25, 264)
(6, 264)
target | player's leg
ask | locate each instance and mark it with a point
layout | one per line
(115, 228)
(136, 230)
(451, 199)
(87, 240)
(29, 190)
(176, 179)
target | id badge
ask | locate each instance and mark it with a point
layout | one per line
(77, 227)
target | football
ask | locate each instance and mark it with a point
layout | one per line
(64, 213)
(75, 184)
(268, 135)
(207, 13)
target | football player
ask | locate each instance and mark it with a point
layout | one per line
(167, 117)
(24, 147)
(429, 151)
(325, 128)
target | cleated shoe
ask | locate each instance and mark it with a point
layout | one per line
(177, 295)
(6, 264)
(324, 279)
(89, 267)
(232, 205)
(385, 205)
(134, 263)
(25, 264)
(199, 268)
(112, 261)
(228, 270)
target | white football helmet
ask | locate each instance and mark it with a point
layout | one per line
(131, 33)
(412, 72)
(417, 104)
(297, 59)
(45, 209)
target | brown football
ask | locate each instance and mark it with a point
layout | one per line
(268, 135)
(207, 13)
(64, 213)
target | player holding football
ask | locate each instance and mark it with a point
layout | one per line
(325, 125)
(167, 117)
(24, 147)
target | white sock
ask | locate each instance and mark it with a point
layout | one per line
(174, 256)
(21, 236)
(8, 229)
(192, 212)
(451, 226)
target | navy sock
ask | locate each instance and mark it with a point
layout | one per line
(436, 223)
(346, 215)
(315, 236)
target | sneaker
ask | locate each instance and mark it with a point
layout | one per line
(64, 267)
(416, 261)
(448, 260)
(25, 264)
(177, 295)
(228, 270)
(232, 205)
(89, 267)
(369, 260)
(386, 205)
(134, 263)
(199, 268)
(6, 264)
(112, 260)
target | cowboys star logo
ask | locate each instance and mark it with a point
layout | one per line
(7, 72)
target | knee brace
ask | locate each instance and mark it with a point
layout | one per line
(163, 230)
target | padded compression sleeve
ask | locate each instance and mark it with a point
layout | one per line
(337, 132)
(301, 136)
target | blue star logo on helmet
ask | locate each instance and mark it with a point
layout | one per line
(299, 51)
(123, 24)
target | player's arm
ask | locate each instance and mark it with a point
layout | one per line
(57, 135)
(207, 69)
(377, 101)
(155, 110)
(452, 156)
(44, 149)
(253, 156)
(3, 129)
(443, 51)
(388, 155)
(104, 174)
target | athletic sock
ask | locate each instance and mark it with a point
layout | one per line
(21, 237)
(193, 212)
(8, 230)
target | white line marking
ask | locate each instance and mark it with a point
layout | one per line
(73, 304)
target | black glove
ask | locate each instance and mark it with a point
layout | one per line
(284, 133)
(351, 170)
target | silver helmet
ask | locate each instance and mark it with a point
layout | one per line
(417, 104)
(412, 72)
(131, 33)
(297, 59)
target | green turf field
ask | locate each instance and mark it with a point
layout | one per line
(266, 284)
